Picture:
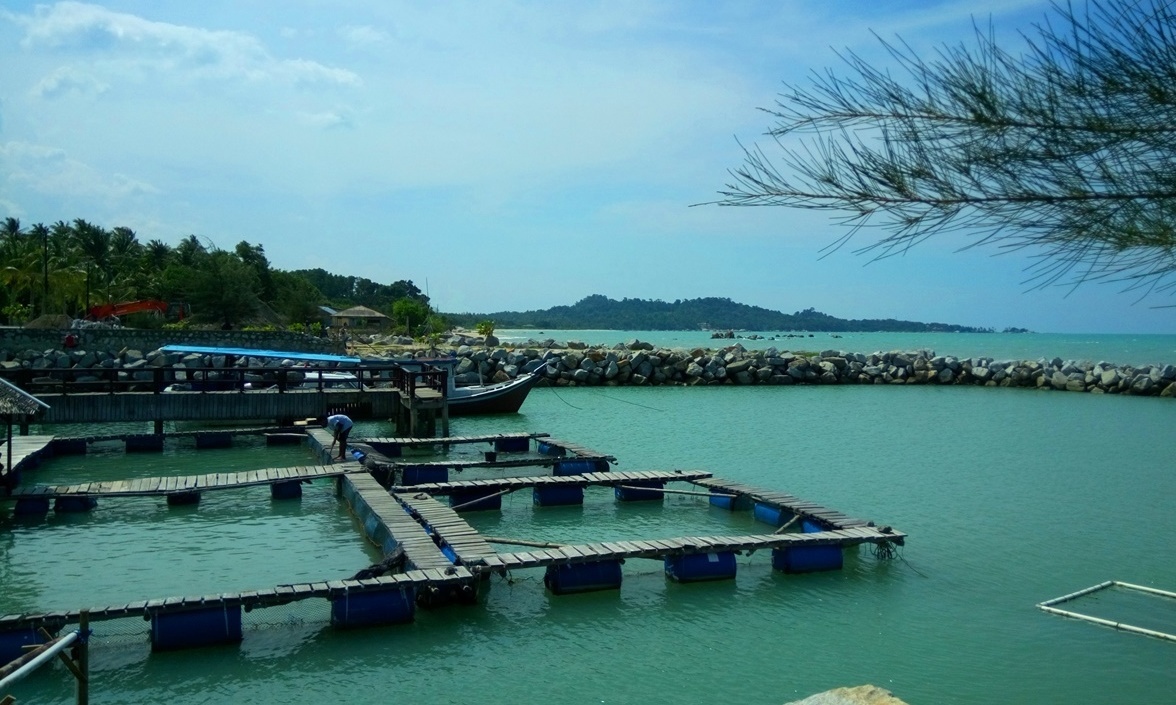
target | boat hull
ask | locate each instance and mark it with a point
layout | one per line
(504, 398)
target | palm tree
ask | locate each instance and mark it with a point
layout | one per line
(93, 243)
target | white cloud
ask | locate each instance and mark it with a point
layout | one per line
(100, 34)
(326, 120)
(362, 35)
(50, 171)
(66, 80)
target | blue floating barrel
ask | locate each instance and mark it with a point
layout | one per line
(449, 553)
(771, 514)
(421, 474)
(546, 448)
(722, 502)
(359, 455)
(477, 499)
(69, 446)
(214, 439)
(640, 491)
(12, 642)
(67, 505)
(191, 628)
(696, 567)
(810, 526)
(557, 495)
(291, 489)
(512, 445)
(182, 499)
(366, 609)
(807, 559)
(388, 450)
(144, 444)
(575, 466)
(583, 577)
(31, 506)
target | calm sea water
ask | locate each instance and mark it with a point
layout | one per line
(1010, 497)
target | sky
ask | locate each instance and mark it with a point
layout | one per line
(501, 155)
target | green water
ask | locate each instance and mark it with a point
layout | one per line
(1010, 497)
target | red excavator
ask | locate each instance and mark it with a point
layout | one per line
(174, 310)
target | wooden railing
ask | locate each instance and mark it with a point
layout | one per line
(240, 379)
(427, 377)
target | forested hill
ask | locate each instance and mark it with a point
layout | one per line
(601, 312)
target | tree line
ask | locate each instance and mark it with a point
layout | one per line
(598, 311)
(67, 268)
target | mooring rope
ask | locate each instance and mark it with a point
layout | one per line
(557, 396)
(626, 401)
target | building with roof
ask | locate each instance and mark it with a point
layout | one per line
(15, 404)
(359, 317)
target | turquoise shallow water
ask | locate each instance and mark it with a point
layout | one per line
(1010, 497)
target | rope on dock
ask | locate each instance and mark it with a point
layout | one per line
(689, 492)
(521, 542)
(472, 502)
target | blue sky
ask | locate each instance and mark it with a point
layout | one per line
(507, 155)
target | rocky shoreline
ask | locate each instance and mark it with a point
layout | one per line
(636, 363)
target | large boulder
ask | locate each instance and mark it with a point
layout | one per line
(860, 695)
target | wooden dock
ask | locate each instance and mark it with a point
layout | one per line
(381, 443)
(662, 548)
(250, 599)
(26, 451)
(183, 484)
(608, 479)
(827, 518)
(554, 446)
(389, 526)
(450, 530)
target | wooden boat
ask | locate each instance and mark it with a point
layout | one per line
(499, 398)
(476, 399)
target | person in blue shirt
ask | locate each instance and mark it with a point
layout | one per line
(340, 425)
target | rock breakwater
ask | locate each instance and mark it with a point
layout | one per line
(637, 363)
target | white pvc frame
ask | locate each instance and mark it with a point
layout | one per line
(1048, 606)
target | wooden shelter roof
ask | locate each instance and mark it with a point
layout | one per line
(359, 312)
(14, 400)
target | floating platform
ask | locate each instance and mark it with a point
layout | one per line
(821, 518)
(588, 479)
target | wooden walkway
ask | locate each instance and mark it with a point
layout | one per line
(576, 450)
(444, 523)
(614, 550)
(254, 431)
(398, 527)
(449, 440)
(279, 595)
(584, 480)
(829, 518)
(25, 449)
(181, 484)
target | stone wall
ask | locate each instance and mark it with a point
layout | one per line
(640, 364)
(16, 341)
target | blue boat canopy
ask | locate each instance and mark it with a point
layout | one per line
(250, 352)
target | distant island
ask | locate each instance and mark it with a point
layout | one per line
(600, 312)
